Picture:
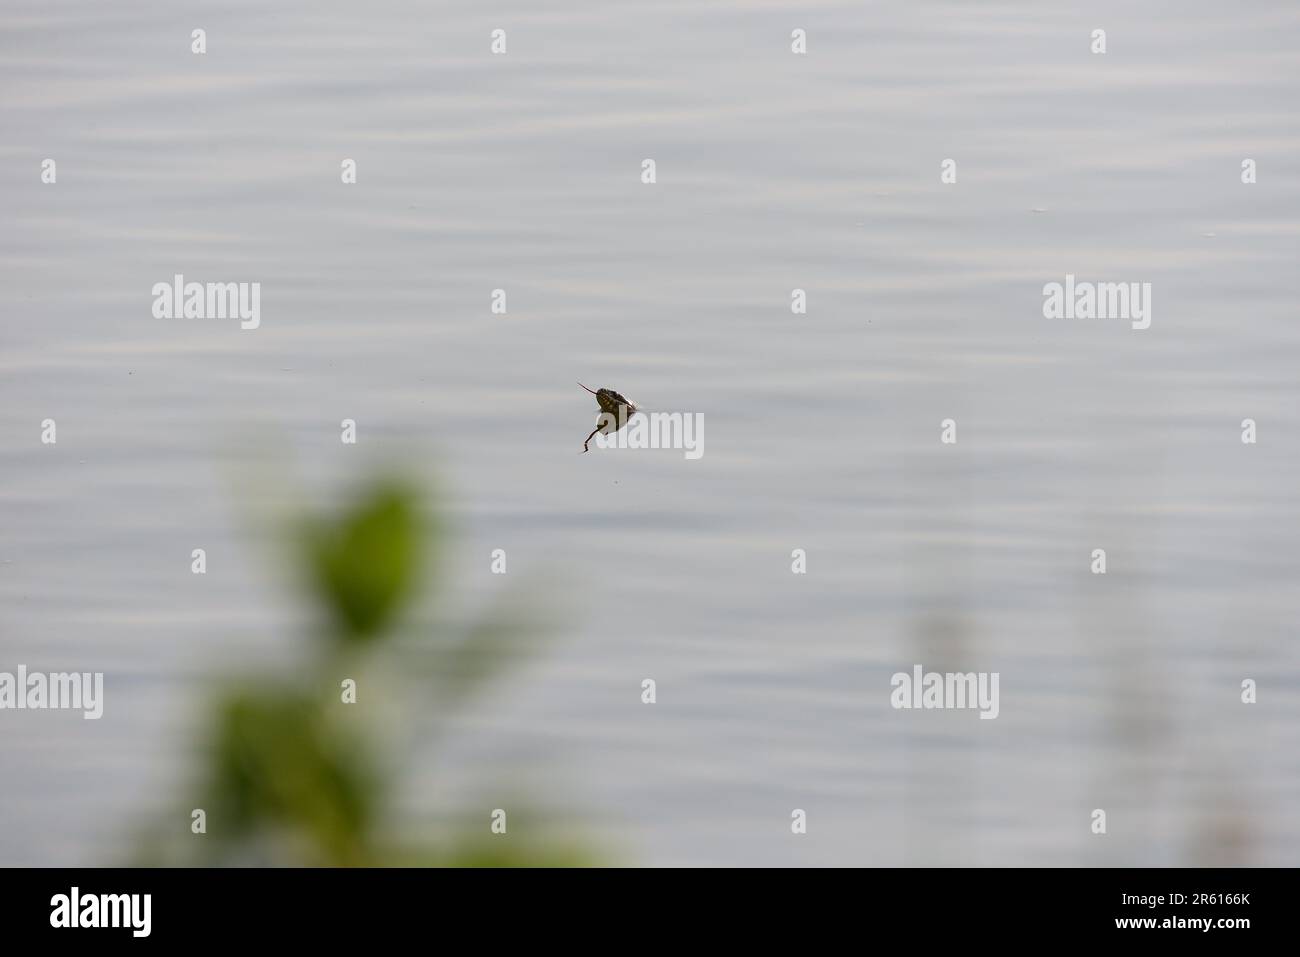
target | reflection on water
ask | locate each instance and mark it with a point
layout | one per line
(775, 172)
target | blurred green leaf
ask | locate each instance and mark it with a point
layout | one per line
(275, 761)
(365, 564)
(298, 777)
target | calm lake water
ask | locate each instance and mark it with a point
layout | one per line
(774, 172)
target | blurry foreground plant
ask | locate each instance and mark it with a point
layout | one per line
(292, 775)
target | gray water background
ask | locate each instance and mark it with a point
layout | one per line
(775, 171)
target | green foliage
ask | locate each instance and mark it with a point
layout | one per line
(277, 762)
(365, 563)
(291, 778)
